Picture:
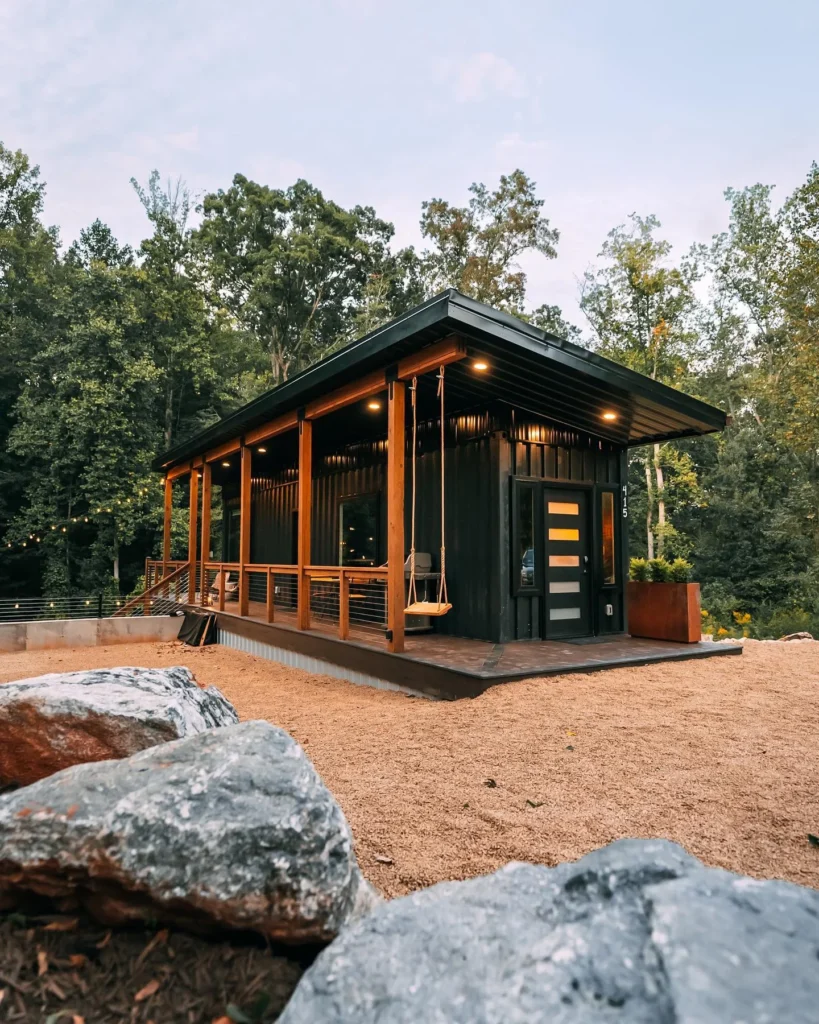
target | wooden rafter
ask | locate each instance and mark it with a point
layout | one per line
(450, 350)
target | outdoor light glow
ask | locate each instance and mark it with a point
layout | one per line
(226, 465)
(480, 365)
(375, 406)
(609, 415)
(261, 451)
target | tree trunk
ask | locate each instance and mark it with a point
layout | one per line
(658, 471)
(168, 416)
(649, 509)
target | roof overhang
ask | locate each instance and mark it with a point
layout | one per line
(531, 370)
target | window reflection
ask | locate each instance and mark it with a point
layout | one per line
(358, 530)
(526, 535)
(607, 519)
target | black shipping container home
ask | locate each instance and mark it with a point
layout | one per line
(319, 479)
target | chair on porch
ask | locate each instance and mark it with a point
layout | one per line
(223, 580)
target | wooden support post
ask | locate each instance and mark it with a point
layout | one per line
(193, 523)
(166, 532)
(343, 605)
(305, 517)
(206, 501)
(222, 582)
(271, 594)
(244, 532)
(396, 441)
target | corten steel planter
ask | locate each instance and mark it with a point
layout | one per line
(665, 611)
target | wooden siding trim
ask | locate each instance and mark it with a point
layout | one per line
(371, 384)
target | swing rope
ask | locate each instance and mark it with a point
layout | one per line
(413, 597)
(442, 594)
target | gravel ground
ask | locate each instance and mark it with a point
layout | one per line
(719, 755)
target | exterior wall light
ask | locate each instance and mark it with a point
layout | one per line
(375, 406)
(261, 451)
(226, 465)
(480, 365)
(609, 415)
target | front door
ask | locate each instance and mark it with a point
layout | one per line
(566, 604)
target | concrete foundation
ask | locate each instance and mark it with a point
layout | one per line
(51, 633)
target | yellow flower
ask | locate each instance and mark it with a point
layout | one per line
(722, 631)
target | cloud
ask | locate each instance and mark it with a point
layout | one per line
(484, 74)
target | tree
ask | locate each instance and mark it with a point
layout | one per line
(289, 266)
(85, 420)
(28, 264)
(641, 311)
(551, 319)
(477, 247)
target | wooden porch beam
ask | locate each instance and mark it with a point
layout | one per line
(371, 384)
(177, 471)
(244, 530)
(396, 444)
(166, 526)
(278, 426)
(228, 448)
(305, 524)
(193, 523)
(206, 503)
(450, 350)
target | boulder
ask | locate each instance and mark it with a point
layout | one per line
(230, 828)
(638, 931)
(54, 721)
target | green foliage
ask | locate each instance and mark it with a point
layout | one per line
(659, 571)
(476, 248)
(679, 571)
(292, 268)
(638, 570)
(110, 355)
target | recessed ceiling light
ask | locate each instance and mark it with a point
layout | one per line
(226, 465)
(375, 406)
(480, 365)
(261, 451)
(609, 415)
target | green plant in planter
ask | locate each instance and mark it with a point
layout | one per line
(680, 571)
(658, 570)
(638, 570)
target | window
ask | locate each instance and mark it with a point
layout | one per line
(358, 530)
(525, 537)
(607, 521)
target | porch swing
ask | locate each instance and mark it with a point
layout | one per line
(442, 605)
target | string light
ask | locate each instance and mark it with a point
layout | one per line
(62, 525)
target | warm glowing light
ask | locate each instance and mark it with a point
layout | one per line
(609, 415)
(261, 451)
(375, 406)
(226, 465)
(480, 365)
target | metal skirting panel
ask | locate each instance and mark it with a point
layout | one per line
(307, 664)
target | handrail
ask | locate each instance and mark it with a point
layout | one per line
(345, 575)
(147, 593)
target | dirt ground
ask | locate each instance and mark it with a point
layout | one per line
(720, 755)
(70, 969)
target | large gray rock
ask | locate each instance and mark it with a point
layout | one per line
(54, 721)
(638, 931)
(229, 828)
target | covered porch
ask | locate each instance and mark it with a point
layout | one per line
(513, 486)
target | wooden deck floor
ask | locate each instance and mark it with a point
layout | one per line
(455, 666)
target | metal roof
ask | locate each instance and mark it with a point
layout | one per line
(529, 369)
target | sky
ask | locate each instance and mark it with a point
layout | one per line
(611, 106)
